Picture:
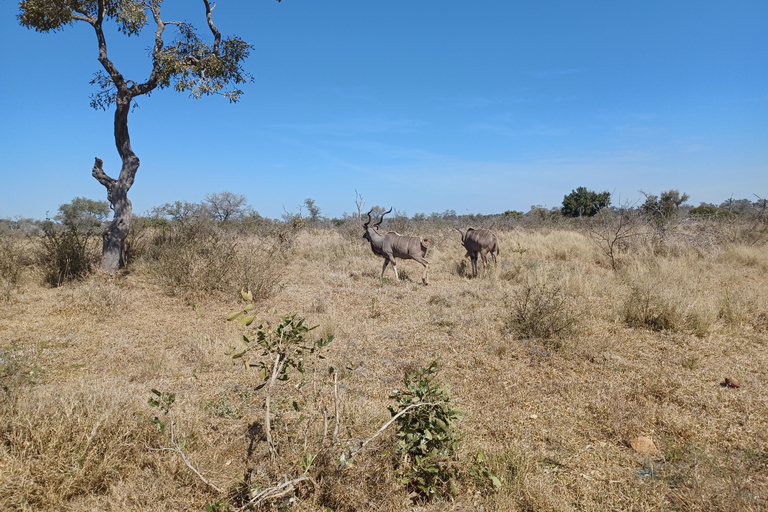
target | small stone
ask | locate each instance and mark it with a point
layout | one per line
(644, 446)
(731, 382)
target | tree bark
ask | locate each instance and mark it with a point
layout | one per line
(113, 254)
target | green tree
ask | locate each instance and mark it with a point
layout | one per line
(83, 212)
(313, 209)
(584, 203)
(665, 205)
(187, 64)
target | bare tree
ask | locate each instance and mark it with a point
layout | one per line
(224, 206)
(360, 203)
(611, 229)
(188, 64)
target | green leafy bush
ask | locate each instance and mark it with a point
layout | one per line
(427, 437)
(285, 349)
(584, 203)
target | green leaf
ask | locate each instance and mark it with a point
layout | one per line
(246, 320)
(239, 354)
(246, 295)
(233, 315)
(496, 482)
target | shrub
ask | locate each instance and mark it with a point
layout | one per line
(70, 246)
(68, 253)
(12, 261)
(542, 309)
(584, 203)
(427, 437)
(198, 258)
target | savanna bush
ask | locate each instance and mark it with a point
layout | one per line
(200, 258)
(427, 437)
(13, 259)
(543, 309)
(70, 246)
(67, 253)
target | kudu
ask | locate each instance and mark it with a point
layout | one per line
(392, 245)
(482, 242)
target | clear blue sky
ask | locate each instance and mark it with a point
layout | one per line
(425, 105)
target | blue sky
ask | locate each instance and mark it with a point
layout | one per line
(428, 105)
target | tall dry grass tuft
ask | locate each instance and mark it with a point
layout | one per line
(13, 260)
(668, 295)
(59, 447)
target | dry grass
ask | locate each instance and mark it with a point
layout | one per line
(650, 346)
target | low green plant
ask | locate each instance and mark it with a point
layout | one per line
(163, 401)
(482, 474)
(285, 349)
(427, 437)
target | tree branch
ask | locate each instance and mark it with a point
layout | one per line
(178, 450)
(352, 453)
(277, 491)
(101, 177)
(216, 34)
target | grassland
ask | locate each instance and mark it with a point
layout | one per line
(557, 361)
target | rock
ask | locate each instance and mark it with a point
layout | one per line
(731, 382)
(644, 445)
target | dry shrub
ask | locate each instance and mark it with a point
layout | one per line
(543, 308)
(12, 262)
(67, 252)
(200, 259)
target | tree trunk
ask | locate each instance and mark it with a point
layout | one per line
(113, 248)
